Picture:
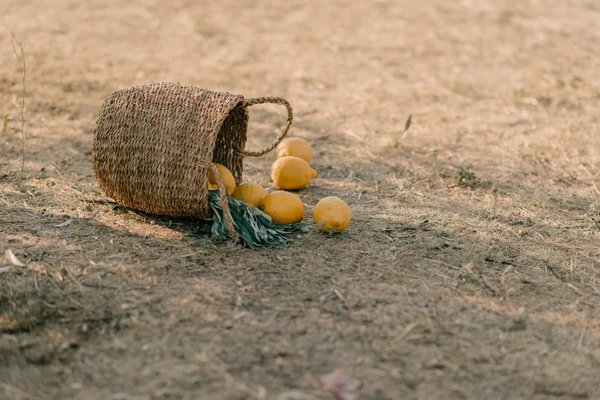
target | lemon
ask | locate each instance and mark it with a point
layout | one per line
(296, 147)
(332, 214)
(292, 173)
(283, 207)
(226, 177)
(250, 193)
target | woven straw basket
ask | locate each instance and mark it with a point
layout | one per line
(155, 143)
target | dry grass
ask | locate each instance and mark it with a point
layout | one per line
(471, 266)
(20, 55)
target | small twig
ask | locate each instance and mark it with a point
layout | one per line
(554, 272)
(65, 224)
(339, 295)
(57, 169)
(98, 285)
(407, 330)
(73, 279)
(489, 259)
(100, 201)
(487, 283)
(331, 293)
(562, 393)
(575, 288)
(21, 60)
(103, 286)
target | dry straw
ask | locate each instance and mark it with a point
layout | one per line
(154, 144)
(20, 55)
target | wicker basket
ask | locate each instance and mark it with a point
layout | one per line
(154, 144)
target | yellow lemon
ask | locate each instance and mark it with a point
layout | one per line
(332, 214)
(292, 173)
(250, 193)
(226, 177)
(296, 147)
(283, 207)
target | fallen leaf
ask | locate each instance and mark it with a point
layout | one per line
(66, 223)
(342, 385)
(10, 256)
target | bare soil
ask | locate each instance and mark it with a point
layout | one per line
(470, 268)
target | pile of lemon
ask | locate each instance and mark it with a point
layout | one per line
(290, 171)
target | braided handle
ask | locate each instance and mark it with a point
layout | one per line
(284, 131)
(223, 196)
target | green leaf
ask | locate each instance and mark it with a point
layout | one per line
(254, 227)
(408, 121)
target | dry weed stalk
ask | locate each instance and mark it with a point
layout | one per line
(20, 54)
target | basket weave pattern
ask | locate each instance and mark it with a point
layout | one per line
(154, 144)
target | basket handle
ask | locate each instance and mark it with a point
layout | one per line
(223, 196)
(284, 131)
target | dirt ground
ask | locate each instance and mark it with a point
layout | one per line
(469, 271)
